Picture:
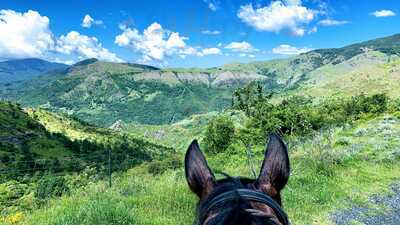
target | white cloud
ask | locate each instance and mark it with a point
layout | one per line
(155, 43)
(84, 46)
(213, 5)
(211, 51)
(67, 62)
(241, 47)
(288, 15)
(24, 34)
(313, 30)
(246, 55)
(383, 13)
(88, 21)
(28, 35)
(331, 22)
(289, 50)
(211, 32)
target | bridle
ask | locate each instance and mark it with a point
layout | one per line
(243, 194)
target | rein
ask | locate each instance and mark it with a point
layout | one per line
(249, 195)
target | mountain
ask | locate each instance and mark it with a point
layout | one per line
(104, 93)
(25, 69)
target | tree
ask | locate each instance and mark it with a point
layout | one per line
(219, 134)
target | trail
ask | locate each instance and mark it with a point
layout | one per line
(388, 212)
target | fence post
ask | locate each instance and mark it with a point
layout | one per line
(109, 167)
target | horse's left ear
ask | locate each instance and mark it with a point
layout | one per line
(199, 176)
(275, 169)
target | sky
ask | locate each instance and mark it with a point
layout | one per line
(187, 33)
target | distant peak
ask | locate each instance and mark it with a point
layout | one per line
(86, 62)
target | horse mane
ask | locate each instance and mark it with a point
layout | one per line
(233, 210)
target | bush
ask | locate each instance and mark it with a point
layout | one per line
(219, 134)
(51, 186)
(160, 166)
(362, 104)
(300, 115)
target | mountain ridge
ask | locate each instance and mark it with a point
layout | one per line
(25, 69)
(104, 92)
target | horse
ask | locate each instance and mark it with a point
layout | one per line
(239, 200)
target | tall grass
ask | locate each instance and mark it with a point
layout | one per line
(330, 171)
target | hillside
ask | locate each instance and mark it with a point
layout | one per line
(149, 95)
(26, 69)
(370, 73)
(29, 145)
(90, 90)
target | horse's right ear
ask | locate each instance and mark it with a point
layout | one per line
(200, 178)
(275, 169)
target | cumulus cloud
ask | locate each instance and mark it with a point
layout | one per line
(28, 35)
(24, 34)
(383, 13)
(331, 22)
(75, 43)
(243, 46)
(278, 15)
(155, 43)
(211, 32)
(289, 50)
(211, 51)
(88, 21)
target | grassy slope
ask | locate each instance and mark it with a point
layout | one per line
(330, 171)
(28, 143)
(18, 129)
(76, 130)
(368, 73)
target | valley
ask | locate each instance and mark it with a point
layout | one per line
(67, 132)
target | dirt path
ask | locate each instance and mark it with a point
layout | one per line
(388, 214)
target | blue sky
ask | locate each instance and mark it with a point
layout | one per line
(187, 33)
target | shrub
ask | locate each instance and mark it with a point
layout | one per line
(51, 186)
(219, 134)
(160, 166)
(300, 115)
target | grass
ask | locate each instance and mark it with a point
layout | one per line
(331, 171)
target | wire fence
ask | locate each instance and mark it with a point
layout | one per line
(105, 163)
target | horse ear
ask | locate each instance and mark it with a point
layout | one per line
(275, 169)
(199, 176)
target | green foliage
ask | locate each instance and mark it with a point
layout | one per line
(160, 166)
(300, 115)
(11, 192)
(360, 104)
(98, 207)
(32, 144)
(219, 134)
(51, 186)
